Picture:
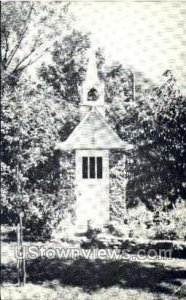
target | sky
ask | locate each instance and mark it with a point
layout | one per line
(148, 36)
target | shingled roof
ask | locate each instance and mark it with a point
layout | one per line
(93, 132)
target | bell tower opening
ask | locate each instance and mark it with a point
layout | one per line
(93, 95)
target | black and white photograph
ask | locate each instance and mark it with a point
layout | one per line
(93, 150)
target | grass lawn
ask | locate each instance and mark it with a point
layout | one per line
(49, 279)
(55, 292)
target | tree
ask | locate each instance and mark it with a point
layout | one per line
(170, 116)
(67, 70)
(32, 118)
(129, 115)
(26, 30)
(154, 123)
(31, 177)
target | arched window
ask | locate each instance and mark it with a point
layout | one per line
(93, 95)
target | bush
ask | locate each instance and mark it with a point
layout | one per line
(41, 214)
(170, 223)
(140, 222)
(137, 220)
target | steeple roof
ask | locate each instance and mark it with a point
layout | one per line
(92, 74)
(93, 132)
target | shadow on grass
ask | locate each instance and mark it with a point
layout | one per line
(91, 275)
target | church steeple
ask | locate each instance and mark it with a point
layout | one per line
(92, 89)
(92, 139)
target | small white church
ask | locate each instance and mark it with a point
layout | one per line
(92, 139)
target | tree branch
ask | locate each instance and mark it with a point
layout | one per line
(4, 59)
(36, 59)
(25, 58)
(13, 52)
(30, 62)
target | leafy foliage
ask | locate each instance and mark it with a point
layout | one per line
(154, 122)
(67, 71)
(21, 45)
(31, 176)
